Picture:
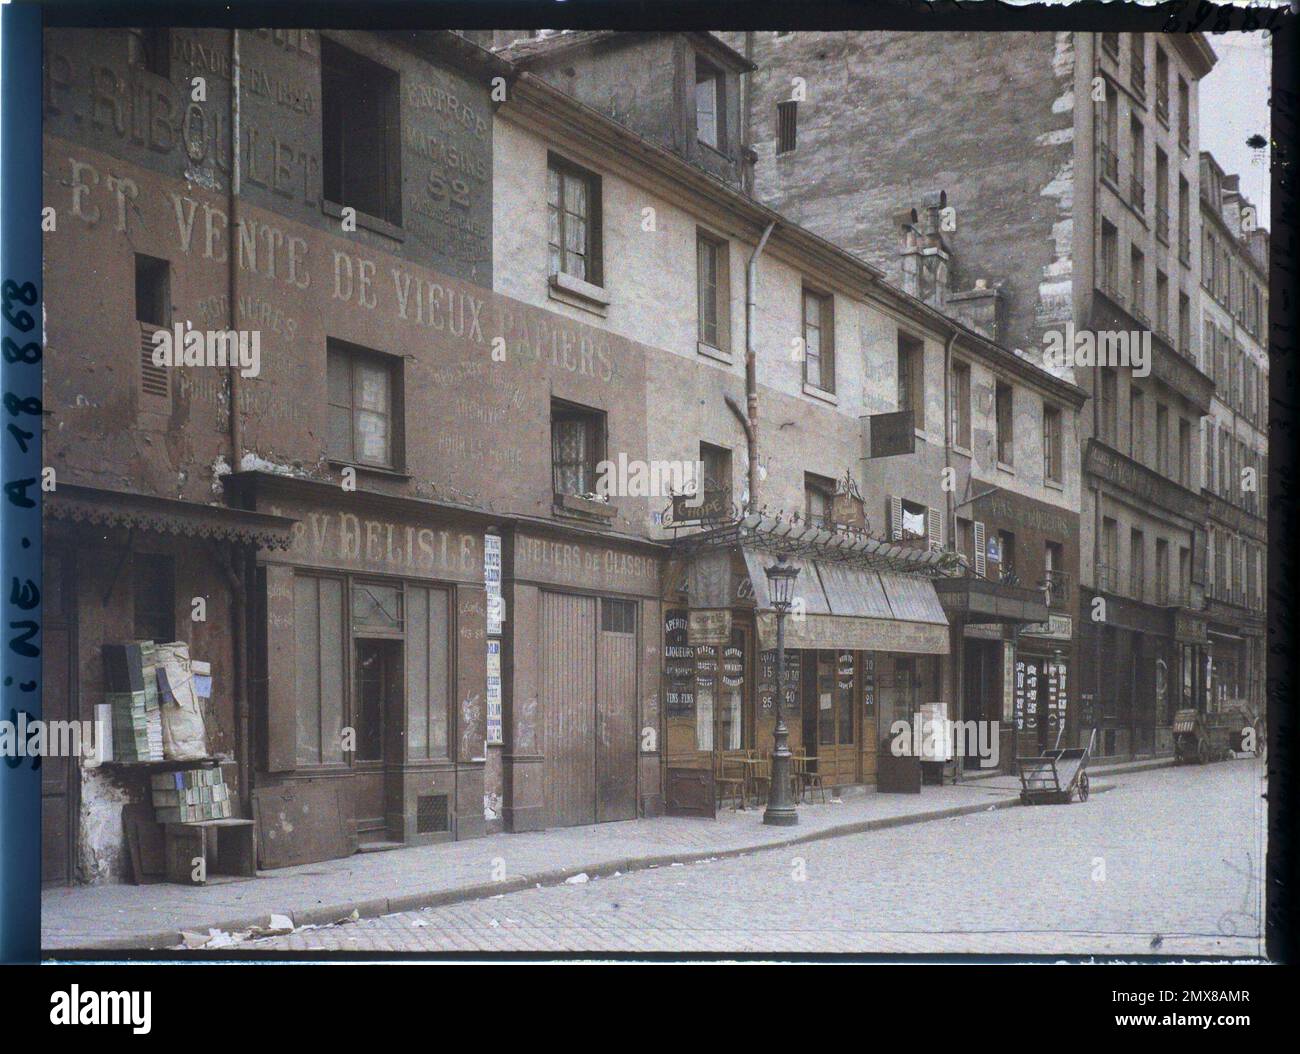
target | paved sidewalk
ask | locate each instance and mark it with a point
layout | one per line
(373, 884)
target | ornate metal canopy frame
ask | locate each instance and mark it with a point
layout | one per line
(793, 536)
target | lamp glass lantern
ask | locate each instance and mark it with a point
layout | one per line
(780, 583)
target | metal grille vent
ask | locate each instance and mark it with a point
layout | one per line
(153, 379)
(431, 815)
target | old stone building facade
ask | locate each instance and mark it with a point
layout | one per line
(1069, 167)
(474, 290)
(1234, 300)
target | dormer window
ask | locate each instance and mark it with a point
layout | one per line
(708, 105)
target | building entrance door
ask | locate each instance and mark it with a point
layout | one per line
(377, 702)
(837, 739)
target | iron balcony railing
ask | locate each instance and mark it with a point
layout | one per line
(1056, 588)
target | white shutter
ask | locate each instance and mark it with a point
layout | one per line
(896, 518)
(934, 529)
(981, 567)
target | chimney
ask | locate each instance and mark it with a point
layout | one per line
(923, 254)
(982, 309)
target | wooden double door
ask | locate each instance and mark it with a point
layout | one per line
(832, 716)
(588, 708)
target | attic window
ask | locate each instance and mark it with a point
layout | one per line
(708, 105)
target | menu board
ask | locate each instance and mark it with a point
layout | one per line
(679, 665)
(767, 679)
(1031, 697)
(868, 685)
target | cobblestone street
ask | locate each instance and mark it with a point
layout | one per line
(1169, 862)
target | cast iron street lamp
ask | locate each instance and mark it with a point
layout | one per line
(780, 810)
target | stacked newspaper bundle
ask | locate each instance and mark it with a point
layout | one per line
(190, 795)
(131, 690)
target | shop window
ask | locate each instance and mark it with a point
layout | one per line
(573, 210)
(710, 124)
(577, 447)
(150, 49)
(819, 340)
(713, 291)
(154, 592)
(428, 675)
(319, 681)
(787, 126)
(364, 406)
(361, 133)
(819, 493)
(1004, 407)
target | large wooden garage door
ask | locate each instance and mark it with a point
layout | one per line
(568, 705)
(588, 704)
(616, 731)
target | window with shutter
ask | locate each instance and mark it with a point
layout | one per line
(895, 518)
(981, 559)
(934, 529)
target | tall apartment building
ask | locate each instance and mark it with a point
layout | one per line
(1234, 301)
(1069, 166)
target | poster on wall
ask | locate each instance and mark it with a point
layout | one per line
(495, 734)
(868, 686)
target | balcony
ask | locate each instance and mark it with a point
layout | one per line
(1136, 481)
(1000, 598)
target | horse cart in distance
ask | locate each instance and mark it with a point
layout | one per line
(1056, 776)
(1224, 734)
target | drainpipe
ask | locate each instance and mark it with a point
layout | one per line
(751, 365)
(237, 570)
(959, 656)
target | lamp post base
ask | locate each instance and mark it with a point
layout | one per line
(787, 817)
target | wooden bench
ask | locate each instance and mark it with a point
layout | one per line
(210, 847)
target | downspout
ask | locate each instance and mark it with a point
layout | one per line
(959, 653)
(232, 254)
(238, 574)
(751, 365)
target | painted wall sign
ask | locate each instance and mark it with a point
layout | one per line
(589, 566)
(495, 734)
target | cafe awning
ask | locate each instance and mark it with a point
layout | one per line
(839, 606)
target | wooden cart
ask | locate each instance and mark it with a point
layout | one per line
(1224, 734)
(1056, 776)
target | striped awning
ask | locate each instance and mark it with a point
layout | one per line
(837, 605)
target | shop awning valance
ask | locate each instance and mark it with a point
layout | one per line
(144, 512)
(841, 606)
